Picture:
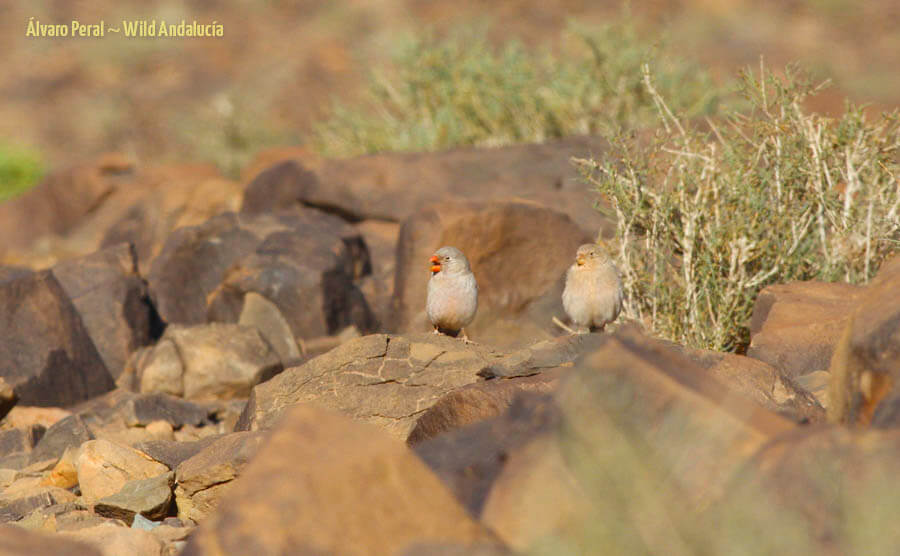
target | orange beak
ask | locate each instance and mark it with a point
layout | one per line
(435, 264)
(579, 260)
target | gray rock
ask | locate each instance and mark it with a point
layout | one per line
(143, 409)
(172, 453)
(20, 439)
(26, 495)
(65, 433)
(150, 498)
(267, 318)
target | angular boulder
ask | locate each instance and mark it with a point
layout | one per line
(104, 468)
(325, 484)
(113, 302)
(46, 352)
(206, 362)
(795, 326)
(865, 367)
(643, 438)
(206, 476)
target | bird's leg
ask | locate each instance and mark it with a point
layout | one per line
(435, 331)
(562, 325)
(465, 337)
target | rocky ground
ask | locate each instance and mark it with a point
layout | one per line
(193, 365)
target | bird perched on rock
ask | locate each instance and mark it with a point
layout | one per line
(452, 292)
(593, 294)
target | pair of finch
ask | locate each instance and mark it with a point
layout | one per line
(592, 296)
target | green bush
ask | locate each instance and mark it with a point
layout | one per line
(20, 169)
(708, 217)
(463, 91)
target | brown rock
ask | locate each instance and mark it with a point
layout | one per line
(378, 186)
(206, 476)
(825, 489)
(307, 269)
(173, 197)
(61, 200)
(171, 452)
(378, 288)
(113, 302)
(20, 440)
(8, 398)
(104, 468)
(384, 380)
(760, 382)
(325, 484)
(116, 540)
(795, 326)
(25, 416)
(478, 402)
(192, 264)
(64, 474)
(209, 361)
(645, 438)
(303, 260)
(496, 237)
(469, 459)
(16, 541)
(46, 354)
(865, 367)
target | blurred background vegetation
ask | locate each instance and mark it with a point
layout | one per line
(299, 72)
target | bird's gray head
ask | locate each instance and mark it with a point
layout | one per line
(450, 260)
(592, 253)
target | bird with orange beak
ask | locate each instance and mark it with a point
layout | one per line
(593, 294)
(452, 298)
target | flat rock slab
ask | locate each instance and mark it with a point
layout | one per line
(150, 498)
(27, 495)
(380, 379)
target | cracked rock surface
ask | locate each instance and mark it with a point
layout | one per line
(385, 380)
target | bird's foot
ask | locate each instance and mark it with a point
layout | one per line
(562, 325)
(466, 340)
